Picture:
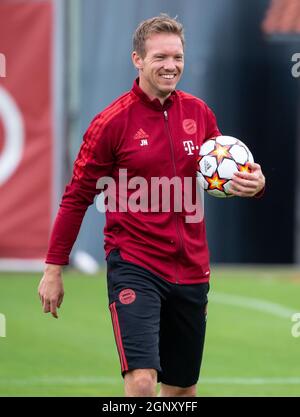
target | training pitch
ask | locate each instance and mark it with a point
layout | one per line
(252, 348)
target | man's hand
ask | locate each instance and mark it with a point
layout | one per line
(51, 290)
(248, 184)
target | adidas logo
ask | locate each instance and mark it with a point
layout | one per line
(207, 165)
(141, 134)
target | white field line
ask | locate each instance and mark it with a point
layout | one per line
(252, 381)
(252, 303)
(60, 380)
(98, 380)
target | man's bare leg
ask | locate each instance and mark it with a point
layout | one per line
(140, 383)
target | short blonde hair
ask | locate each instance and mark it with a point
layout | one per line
(158, 24)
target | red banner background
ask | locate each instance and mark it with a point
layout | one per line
(25, 195)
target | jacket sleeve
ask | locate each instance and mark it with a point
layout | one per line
(95, 160)
(212, 129)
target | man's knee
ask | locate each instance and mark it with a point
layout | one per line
(141, 382)
(173, 391)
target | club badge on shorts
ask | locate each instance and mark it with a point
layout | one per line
(127, 296)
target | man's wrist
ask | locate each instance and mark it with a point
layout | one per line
(261, 192)
(53, 268)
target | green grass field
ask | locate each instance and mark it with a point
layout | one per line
(249, 350)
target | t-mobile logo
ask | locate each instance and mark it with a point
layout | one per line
(189, 146)
(2, 66)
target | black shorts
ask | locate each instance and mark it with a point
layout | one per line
(157, 324)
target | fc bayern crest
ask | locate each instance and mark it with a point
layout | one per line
(127, 296)
(189, 126)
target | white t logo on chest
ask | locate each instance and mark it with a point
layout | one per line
(189, 146)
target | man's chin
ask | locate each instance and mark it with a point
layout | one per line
(166, 91)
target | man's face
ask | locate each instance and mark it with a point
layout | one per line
(161, 68)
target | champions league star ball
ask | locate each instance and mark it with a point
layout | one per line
(219, 158)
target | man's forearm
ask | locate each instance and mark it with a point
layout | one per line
(67, 225)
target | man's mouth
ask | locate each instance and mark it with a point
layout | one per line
(168, 76)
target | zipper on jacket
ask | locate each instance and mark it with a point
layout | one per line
(174, 167)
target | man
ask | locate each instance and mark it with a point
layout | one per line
(158, 263)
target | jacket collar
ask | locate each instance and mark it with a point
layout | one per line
(154, 104)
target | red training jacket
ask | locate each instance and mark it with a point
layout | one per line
(148, 140)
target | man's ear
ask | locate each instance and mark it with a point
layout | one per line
(137, 61)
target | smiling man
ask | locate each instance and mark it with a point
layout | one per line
(157, 263)
(160, 61)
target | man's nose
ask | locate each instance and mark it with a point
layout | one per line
(169, 65)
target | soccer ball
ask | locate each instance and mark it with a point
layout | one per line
(219, 158)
